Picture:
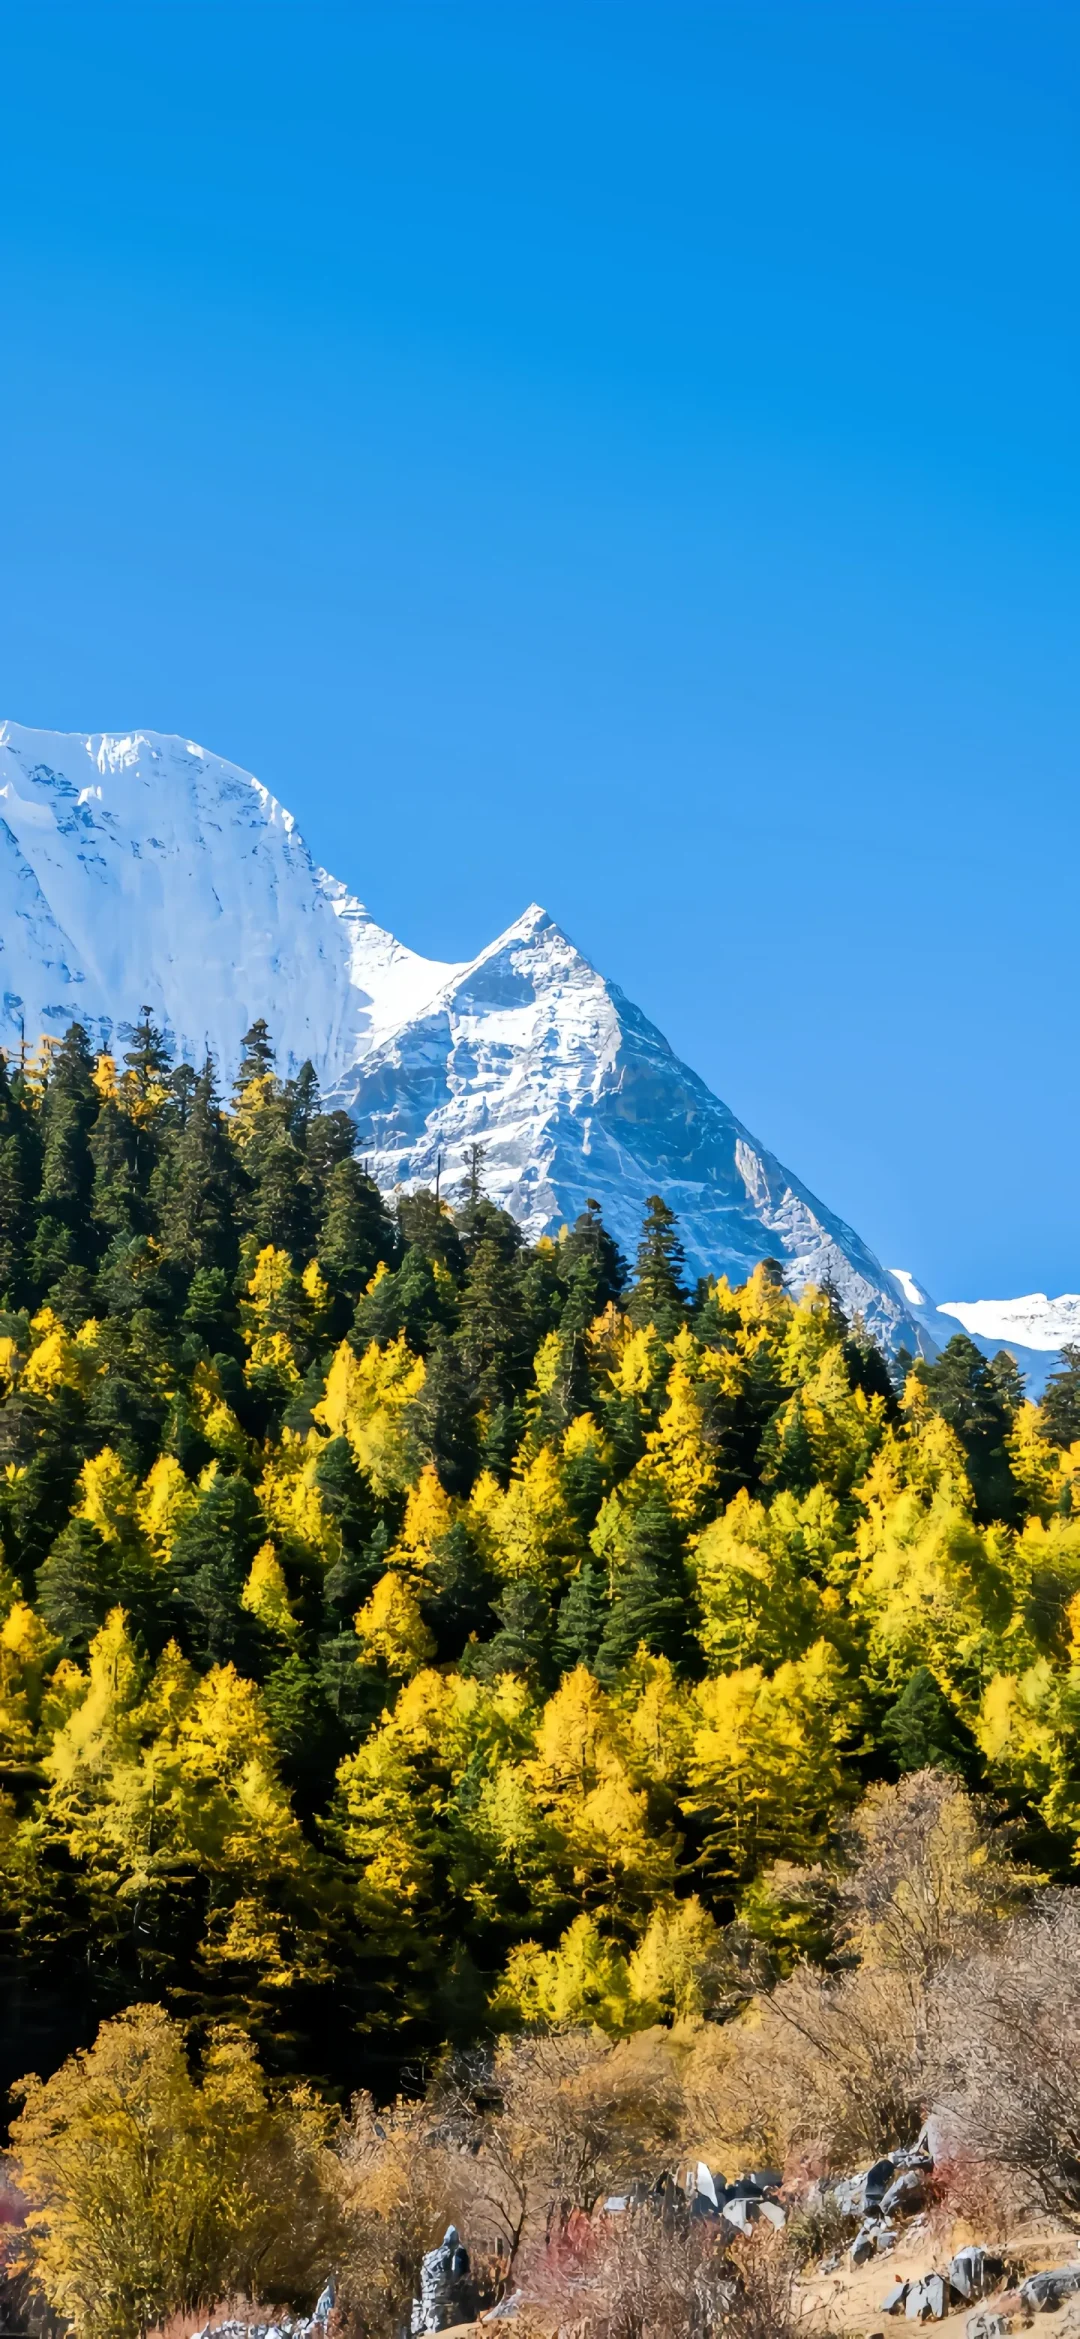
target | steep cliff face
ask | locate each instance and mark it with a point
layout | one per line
(143, 868)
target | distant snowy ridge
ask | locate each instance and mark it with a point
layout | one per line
(1034, 1330)
(1036, 1322)
(139, 867)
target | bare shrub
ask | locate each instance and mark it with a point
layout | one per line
(1007, 2051)
(930, 1877)
(819, 2230)
(650, 2276)
(833, 2066)
(506, 2145)
(827, 2061)
(403, 2184)
(976, 2193)
(552, 2123)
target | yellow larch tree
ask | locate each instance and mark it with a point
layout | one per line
(366, 1401)
(765, 1769)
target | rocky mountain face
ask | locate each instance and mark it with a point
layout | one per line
(143, 868)
(573, 1093)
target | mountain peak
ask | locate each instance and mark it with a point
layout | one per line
(135, 866)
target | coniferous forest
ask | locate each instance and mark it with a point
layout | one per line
(410, 1632)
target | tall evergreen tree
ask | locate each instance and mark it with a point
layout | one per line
(584, 1614)
(492, 1334)
(457, 1591)
(786, 1455)
(147, 1056)
(20, 1170)
(208, 1567)
(592, 1253)
(330, 1139)
(523, 1642)
(63, 1235)
(281, 1205)
(425, 1225)
(979, 1401)
(650, 1604)
(302, 1103)
(147, 1060)
(922, 1731)
(658, 1296)
(1060, 1406)
(357, 1232)
(113, 1153)
(442, 1419)
(412, 1301)
(197, 1213)
(257, 1060)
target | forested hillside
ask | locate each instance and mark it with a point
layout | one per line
(409, 1631)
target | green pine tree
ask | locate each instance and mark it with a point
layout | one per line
(590, 1251)
(658, 1296)
(979, 1400)
(523, 1642)
(64, 1234)
(356, 1234)
(208, 1568)
(116, 1187)
(650, 1602)
(443, 1418)
(922, 1731)
(1060, 1406)
(197, 1213)
(584, 1614)
(257, 1059)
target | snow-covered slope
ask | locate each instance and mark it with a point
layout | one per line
(142, 868)
(572, 1092)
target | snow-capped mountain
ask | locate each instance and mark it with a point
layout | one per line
(530, 1053)
(142, 868)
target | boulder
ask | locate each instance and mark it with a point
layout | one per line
(737, 2214)
(927, 2301)
(894, 2298)
(873, 2236)
(906, 2193)
(705, 2183)
(987, 2325)
(876, 2183)
(1046, 2291)
(974, 2271)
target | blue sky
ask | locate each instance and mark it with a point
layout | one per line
(619, 456)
